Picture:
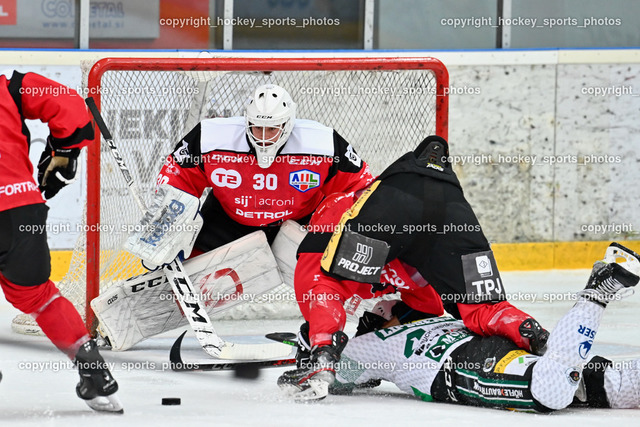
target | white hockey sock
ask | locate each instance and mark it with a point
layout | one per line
(557, 374)
(572, 338)
(622, 384)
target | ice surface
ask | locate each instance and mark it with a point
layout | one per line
(38, 385)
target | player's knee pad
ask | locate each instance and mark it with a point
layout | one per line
(554, 384)
(29, 299)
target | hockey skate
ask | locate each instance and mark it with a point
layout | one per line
(97, 387)
(608, 277)
(303, 352)
(311, 382)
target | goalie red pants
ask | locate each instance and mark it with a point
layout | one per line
(218, 228)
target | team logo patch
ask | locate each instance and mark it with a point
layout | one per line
(573, 376)
(489, 363)
(304, 180)
(181, 153)
(226, 178)
(584, 348)
(482, 279)
(484, 266)
(353, 157)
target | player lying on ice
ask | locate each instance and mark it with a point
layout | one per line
(439, 359)
(412, 231)
(267, 171)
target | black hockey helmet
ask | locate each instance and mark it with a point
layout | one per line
(433, 150)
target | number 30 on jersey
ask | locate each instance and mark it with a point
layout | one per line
(268, 181)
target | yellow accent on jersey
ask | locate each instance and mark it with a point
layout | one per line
(510, 357)
(332, 246)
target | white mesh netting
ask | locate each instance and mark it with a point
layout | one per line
(383, 114)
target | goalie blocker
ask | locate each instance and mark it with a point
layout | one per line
(145, 305)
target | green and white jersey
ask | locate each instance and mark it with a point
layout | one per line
(408, 355)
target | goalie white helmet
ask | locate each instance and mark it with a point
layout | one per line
(270, 115)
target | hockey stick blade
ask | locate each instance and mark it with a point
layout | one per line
(194, 312)
(288, 338)
(177, 364)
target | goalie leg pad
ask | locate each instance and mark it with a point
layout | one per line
(145, 305)
(285, 247)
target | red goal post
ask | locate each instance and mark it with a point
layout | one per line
(97, 89)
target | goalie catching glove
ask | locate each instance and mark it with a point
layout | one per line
(57, 168)
(168, 229)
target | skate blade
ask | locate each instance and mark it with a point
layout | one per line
(631, 262)
(315, 390)
(109, 403)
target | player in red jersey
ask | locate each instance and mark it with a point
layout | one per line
(25, 263)
(411, 230)
(268, 172)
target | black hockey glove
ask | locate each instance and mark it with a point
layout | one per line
(57, 167)
(369, 322)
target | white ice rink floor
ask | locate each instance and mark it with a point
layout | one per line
(38, 385)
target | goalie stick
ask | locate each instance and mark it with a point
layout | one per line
(184, 290)
(177, 364)
(288, 338)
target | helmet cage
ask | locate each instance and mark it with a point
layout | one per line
(270, 107)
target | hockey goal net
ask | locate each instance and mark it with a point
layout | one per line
(383, 106)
